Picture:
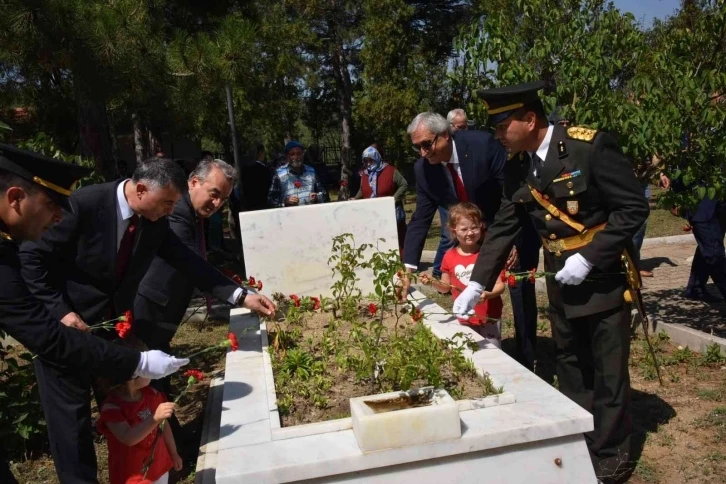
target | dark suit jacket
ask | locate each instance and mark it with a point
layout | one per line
(482, 160)
(27, 320)
(165, 292)
(73, 267)
(593, 183)
(256, 180)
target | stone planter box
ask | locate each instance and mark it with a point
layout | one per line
(531, 433)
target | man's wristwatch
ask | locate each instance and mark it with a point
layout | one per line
(241, 299)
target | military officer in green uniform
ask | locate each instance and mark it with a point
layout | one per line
(579, 190)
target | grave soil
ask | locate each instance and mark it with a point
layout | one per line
(344, 384)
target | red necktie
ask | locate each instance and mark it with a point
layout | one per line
(458, 184)
(126, 248)
(203, 251)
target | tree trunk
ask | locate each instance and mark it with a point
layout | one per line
(345, 102)
(93, 130)
(138, 139)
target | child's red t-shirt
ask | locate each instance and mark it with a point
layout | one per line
(459, 268)
(125, 463)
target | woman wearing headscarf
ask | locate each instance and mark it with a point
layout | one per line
(383, 180)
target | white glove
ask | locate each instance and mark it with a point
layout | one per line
(464, 304)
(575, 271)
(156, 364)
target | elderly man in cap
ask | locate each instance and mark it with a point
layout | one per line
(295, 183)
(580, 191)
(33, 191)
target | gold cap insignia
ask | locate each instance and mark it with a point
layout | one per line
(581, 134)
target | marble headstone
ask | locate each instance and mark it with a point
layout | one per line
(288, 248)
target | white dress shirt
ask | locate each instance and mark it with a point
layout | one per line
(124, 214)
(544, 147)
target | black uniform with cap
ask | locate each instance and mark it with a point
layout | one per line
(21, 315)
(583, 198)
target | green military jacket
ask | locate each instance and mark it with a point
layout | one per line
(587, 177)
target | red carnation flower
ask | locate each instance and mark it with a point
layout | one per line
(123, 329)
(532, 277)
(503, 277)
(129, 317)
(233, 343)
(259, 285)
(316, 303)
(196, 374)
(511, 280)
(372, 308)
(251, 281)
(343, 183)
(297, 183)
(416, 315)
(295, 300)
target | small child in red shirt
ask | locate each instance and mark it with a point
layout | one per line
(130, 417)
(465, 224)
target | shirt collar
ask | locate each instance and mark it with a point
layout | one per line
(123, 204)
(545, 146)
(454, 156)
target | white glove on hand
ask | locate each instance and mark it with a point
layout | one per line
(575, 271)
(464, 304)
(156, 364)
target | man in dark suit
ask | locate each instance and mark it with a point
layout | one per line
(460, 167)
(165, 292)
(88, 268)
(33, 191)
(255, 180)
(582, 195)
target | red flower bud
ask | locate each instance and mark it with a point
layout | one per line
(251, 282)
(503, 277)
(197, 375)
(233, 343)
(123, 329)
(511, 280)
(416, 315)
(316, 303)
(532, 277)
(372, 308)
(259, 285)
(297, 183)
(129, 317)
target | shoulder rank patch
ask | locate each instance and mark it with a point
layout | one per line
(581, 134)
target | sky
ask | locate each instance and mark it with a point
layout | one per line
(646, 10)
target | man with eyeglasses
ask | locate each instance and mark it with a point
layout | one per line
(580, 191)
(457, 119)
(467, 166)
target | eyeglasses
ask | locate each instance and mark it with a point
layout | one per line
(425, 145)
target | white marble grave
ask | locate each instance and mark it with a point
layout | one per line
(529, 434)
(288, 248)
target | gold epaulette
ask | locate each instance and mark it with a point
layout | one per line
(581, 134)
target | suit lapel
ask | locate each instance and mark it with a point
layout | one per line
(552, 164)
(108, 217)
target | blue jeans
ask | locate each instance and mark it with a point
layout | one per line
(445, 243)
(640, 234)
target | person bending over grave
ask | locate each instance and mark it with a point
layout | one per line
(295, 183)
(88, 268)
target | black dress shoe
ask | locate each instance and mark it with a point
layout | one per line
(703, 296)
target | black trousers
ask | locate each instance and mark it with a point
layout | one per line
(6, 475)
(66, 400)
(710, 257)
(592, 370)
(524, 300)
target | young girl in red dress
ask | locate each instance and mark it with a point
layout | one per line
(130, 417)
(465, 224)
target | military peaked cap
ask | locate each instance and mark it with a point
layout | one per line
(503, 101)
(55, 176)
